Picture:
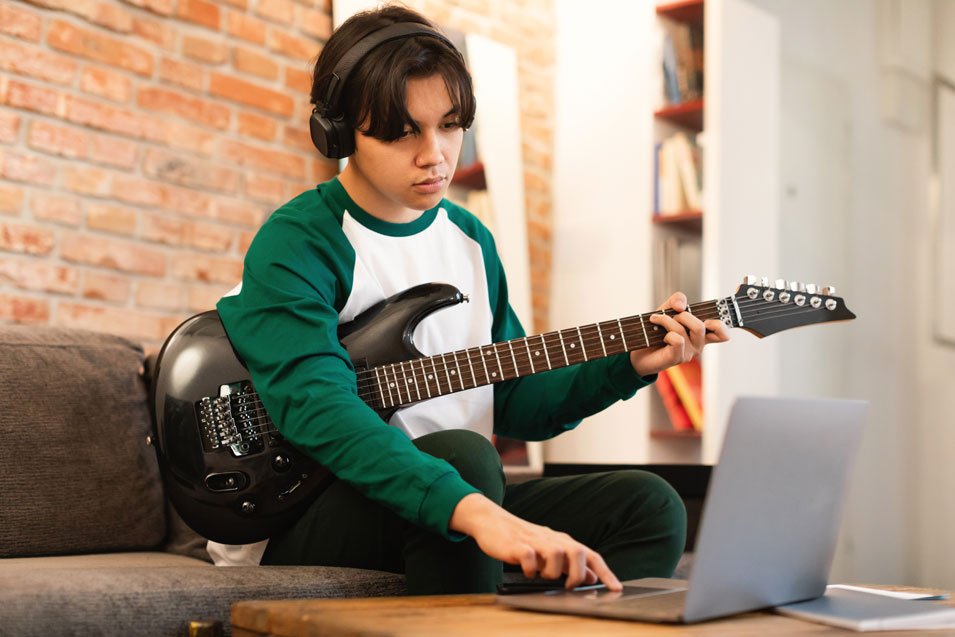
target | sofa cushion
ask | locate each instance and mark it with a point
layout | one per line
(159, 601)
(76, 472)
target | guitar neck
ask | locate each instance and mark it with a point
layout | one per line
(393, 385)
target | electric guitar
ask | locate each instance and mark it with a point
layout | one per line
(234, 479)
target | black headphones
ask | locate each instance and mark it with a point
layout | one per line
(331, 134)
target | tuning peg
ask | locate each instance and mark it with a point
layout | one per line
(750, 279)
(800, 286)
(794, 286)
(811, 288)
(829, 290)
(764, 281)
(780, 284)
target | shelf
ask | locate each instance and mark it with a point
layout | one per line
(690, 11)
(687, 434)
(686, 114)
(691, 220)
(470, 176)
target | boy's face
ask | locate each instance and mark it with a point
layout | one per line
(397, 180)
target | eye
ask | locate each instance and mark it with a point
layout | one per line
(452, 125)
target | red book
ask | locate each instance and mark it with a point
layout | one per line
(687, 380)
(675, 410)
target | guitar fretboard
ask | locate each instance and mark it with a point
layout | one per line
(410, 381)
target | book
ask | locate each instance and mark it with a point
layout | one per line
(686, 379)
(671, 402)
(677, 171)
(861, 611)
(687, 159)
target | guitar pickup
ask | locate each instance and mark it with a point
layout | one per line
(226, 481)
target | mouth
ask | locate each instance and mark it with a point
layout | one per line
(430, 185)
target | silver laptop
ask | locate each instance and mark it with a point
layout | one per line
(769, 525)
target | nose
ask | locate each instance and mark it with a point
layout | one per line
(430, 149)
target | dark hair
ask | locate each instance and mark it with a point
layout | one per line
(373, 99)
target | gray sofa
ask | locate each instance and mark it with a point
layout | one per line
(89, 545)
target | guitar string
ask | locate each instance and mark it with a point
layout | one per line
(369, 385)
(367, 381)
(592, 341)
(261, 417)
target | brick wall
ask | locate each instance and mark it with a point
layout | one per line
(142, 142)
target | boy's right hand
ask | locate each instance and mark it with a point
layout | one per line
(538, 549)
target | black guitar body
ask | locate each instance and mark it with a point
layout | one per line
(229, 473)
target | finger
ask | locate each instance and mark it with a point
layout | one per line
(677, 301)
(553, 564)
(576, 567)
(695, 328)
(716, 331)
(668, 323)
(603, 572)
(529, 563)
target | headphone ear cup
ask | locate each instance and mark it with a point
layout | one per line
(332, 137)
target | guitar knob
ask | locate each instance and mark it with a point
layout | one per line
(750, 279)
(764, 281)
(812, 288)
(829, 290)
(281, 462)
(780, 284)
(794, 286)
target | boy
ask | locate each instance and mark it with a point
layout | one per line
(424, 494)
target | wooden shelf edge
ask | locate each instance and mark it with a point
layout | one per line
(690, 221)
(687, 114)
(690, 11)
(688, 434)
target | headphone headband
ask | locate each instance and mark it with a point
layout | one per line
(329, 105)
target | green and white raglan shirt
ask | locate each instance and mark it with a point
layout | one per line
(320, 260)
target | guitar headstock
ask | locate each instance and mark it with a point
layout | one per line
(765, 308)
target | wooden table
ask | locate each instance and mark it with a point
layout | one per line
(479, 616)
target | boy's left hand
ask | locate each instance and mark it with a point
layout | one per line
(686, 335)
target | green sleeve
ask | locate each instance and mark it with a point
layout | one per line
(283, 323)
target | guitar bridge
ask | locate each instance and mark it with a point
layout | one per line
(235, 419)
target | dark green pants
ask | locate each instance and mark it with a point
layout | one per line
(634, 519)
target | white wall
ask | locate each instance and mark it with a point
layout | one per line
(602, 166)
(854, 211)
(856, 208)
(935, 541)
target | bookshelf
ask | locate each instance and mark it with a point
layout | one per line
(676, 212)
(604, 262)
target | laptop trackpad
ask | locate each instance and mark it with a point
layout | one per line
(604, 595)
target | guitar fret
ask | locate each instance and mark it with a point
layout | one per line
(530, 357)
(560, 337)
(546, 353)
(458, 367)
(500, 370)
(398, 384)
(623, 336)
(410, 382)
(644, 326)
(583, 348)
(517, 371)
(487, 375)
(424, 377)
(603, 346)
(380, 390)
(448, 374)
(437, 378)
